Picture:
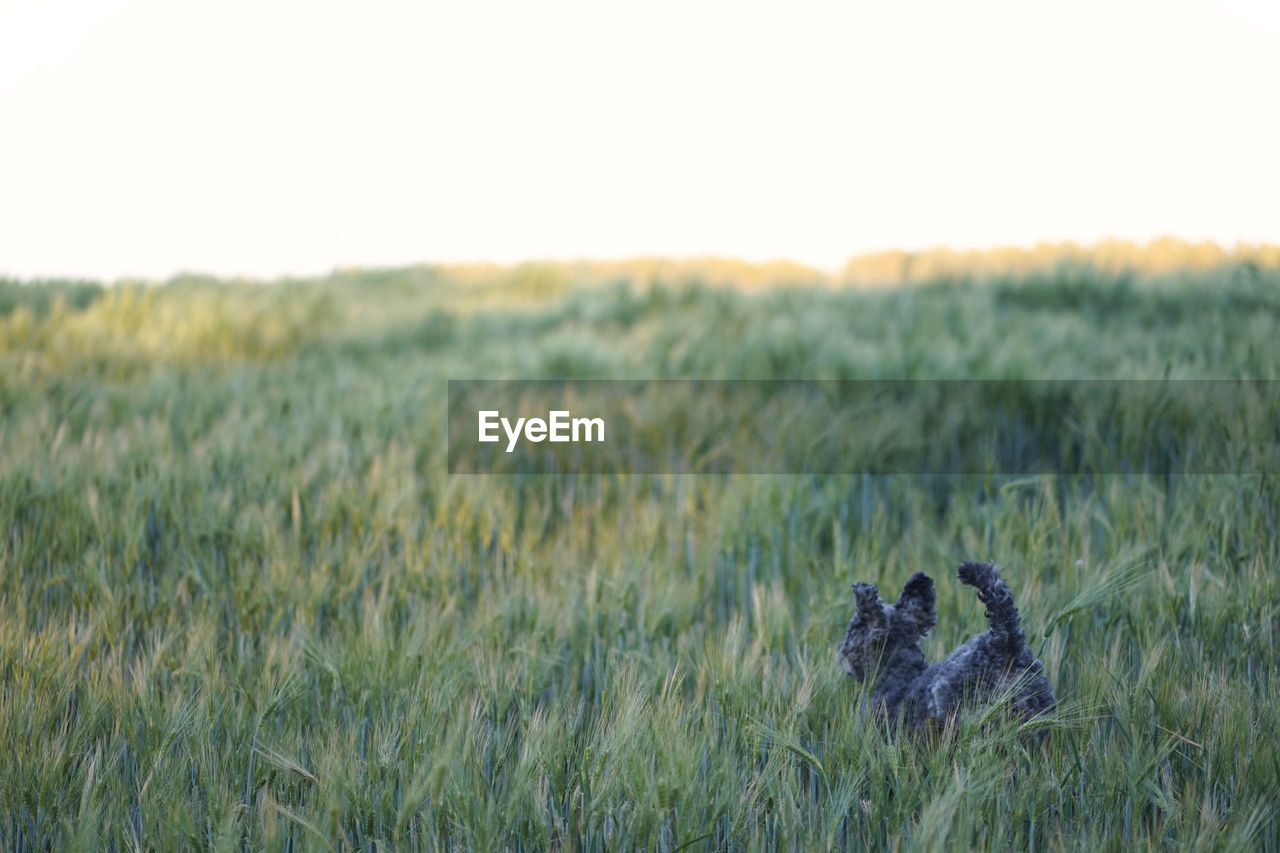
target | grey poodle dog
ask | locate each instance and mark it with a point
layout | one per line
(883, 641)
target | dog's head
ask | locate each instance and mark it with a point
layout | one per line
(877, 628)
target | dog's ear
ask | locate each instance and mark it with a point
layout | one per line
(916, 603)
(868, 598)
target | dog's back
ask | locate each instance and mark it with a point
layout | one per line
(996, 664)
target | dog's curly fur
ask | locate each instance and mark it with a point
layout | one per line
(883, 641)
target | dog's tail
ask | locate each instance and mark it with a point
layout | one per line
(1002, 614)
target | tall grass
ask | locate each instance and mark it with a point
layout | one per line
(243, 605)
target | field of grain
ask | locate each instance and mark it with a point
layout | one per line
(243, 605)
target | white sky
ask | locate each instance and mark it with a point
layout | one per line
(265, 137)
